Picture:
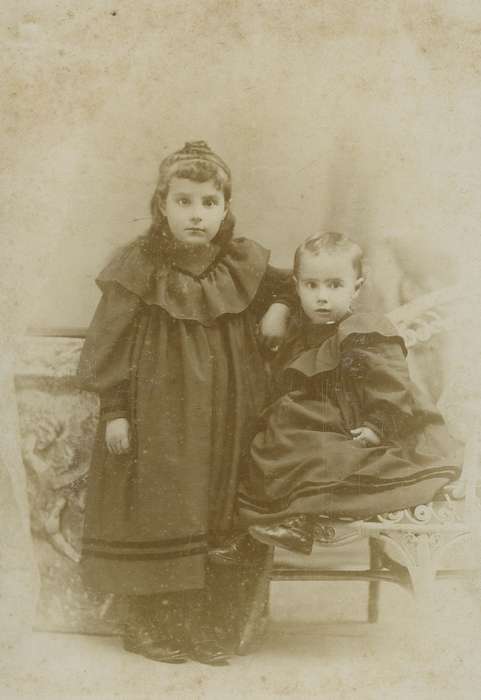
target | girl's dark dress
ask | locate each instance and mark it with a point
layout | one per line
(332, 379)
(172, 348)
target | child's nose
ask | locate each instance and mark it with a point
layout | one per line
(196, 215)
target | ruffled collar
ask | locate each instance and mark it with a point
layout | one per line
(195, 262)
(224, 281)
(317, 349)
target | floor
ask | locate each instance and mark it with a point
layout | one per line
(318, 646)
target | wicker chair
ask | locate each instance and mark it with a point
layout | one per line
(407, 547)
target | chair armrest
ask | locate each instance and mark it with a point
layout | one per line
(456, 490)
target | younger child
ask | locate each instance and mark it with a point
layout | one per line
(348, 435)
(173, 353)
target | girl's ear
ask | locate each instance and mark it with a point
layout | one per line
(357, 287)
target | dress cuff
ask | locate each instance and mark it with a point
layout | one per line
(107, 416)
(114, 403)
(286, 294)
(283, 301)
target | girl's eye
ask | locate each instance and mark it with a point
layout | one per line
(334, 284)
(210, 203)
(311, 285)
(183, 201)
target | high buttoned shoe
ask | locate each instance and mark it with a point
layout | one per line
(295, 534)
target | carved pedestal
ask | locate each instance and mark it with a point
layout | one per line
(57, 428)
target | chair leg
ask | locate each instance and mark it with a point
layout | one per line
(373, 602)
(422, 571)
(375, 563)
(418, 549)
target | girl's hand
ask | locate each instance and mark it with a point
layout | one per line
(365, 436)
(273, 325)
(117, 436)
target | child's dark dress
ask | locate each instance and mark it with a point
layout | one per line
(174, 350)
(332, 379)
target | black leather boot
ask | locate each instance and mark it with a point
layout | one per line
(203, 645)
(236, 549)
(166, 651)
(145, 636)
(206, 649)
(295, 534)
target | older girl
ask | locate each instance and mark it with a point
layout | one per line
(172, 351)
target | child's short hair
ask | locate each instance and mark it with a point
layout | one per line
(330, 242)
(197, 162)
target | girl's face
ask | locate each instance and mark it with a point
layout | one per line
(326, 284)
(194, 210)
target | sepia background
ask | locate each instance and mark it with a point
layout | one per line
(361, 116)
(354, 115)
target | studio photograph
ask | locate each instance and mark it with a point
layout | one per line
(240, 350)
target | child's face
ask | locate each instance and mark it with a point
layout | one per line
(194, 210)
(326, 284)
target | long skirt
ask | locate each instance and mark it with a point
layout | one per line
(304, 460)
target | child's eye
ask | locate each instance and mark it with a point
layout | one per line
(183, 201)
(334, 284)
(210, 202)
(311, 285)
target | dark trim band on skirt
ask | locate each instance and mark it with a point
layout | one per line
(354, 484)
(137, 550)
(145, 543)
(147, 556)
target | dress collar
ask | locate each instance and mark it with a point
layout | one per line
(194, 261)
(225, 282)
(317, 348)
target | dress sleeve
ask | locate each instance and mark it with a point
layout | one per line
(277, 286)
(381, 375)
(105, 361)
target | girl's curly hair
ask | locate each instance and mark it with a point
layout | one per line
(194, 162)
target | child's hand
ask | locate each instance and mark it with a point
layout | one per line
(365, 436)
(273, 325)
(117, 436)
